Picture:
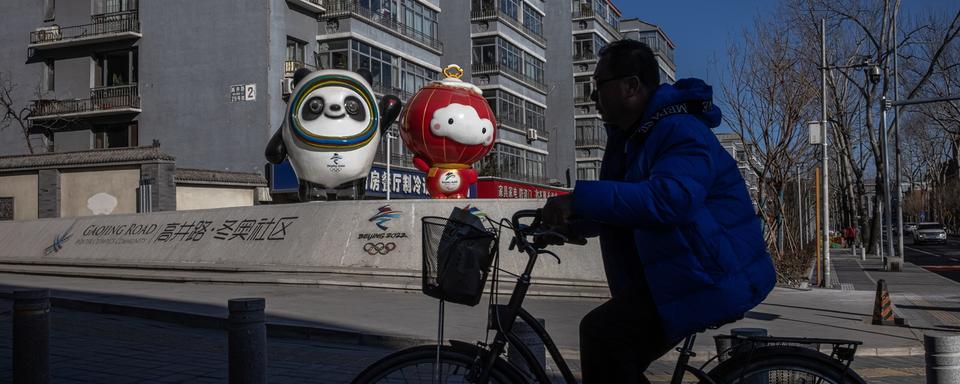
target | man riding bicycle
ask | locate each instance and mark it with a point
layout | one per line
(682, 245)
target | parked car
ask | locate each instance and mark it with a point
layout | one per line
(929, 233)
(909, 228)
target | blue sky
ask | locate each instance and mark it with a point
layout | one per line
(702, 29)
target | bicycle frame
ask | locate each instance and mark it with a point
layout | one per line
(503, 318)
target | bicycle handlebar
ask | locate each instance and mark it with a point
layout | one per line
(542, 237)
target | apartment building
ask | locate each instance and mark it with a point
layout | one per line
(123, 73)
(657, 40)
(595, 23)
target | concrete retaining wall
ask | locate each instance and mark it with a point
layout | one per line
(319, 234)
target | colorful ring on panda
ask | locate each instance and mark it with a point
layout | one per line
(334, 142)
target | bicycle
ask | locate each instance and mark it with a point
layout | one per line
(746, 360)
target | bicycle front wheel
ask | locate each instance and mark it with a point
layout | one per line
(783, 365)
(417, 365)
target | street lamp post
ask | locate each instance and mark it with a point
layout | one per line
(389, 176)
(825, 159)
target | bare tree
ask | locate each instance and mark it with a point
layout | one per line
(12, 113)
(766, 103)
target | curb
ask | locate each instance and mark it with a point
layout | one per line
(280, 330)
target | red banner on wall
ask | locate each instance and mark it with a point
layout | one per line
(490, 188)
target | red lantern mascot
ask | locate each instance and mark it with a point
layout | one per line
(448, 125)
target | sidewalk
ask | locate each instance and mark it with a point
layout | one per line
(928, 301)
(389, 318)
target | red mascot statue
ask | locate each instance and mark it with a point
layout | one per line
(448, 125)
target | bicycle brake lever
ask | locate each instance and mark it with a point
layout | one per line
(542, 251)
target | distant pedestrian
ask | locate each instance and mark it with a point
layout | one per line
(849, 235)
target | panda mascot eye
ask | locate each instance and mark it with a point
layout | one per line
(314, 108)
(353, 107)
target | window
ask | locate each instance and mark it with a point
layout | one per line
(588, 170)
(48, 76)
(581, 6)
(583, 47)
(485, 52)
(534, 117)
(115, 136)
(334, 55)
(511, 161)
(116, 68)
(535, 168)
(420, 18)
(380, 9)
(533, 68)
(510, 109)
(582, 87)
(415, 77)
(295, 50)
(49, 10)
(379, 63)
(532, 20)
(510, 56)
(509, 8)
(482, 6)
(112, 6)
(600, 8)
(598, 43)
(590, 132)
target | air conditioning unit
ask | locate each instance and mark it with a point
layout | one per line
(531, 134)
(287, 86)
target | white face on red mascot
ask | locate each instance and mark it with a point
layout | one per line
(448, 122)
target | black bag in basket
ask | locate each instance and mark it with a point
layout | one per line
(464, 254)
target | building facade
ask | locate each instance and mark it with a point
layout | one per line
(103, 74)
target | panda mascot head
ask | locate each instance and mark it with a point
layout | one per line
(331, 131)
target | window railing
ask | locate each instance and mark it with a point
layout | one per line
(348, 7)
(579, 99)
(489, 13)
(591, 142)
(484, 68)
(391, 90)
(585, 13)
(101, 25)
(582, 56)
(291, 66)
(101, 99)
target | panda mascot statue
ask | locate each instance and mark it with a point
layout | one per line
(331, 131)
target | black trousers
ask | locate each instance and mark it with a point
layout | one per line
(619, 339)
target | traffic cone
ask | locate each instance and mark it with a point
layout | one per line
(883, 308)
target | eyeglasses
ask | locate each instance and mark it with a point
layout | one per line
(598, 83)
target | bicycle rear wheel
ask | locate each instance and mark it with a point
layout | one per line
(783, 365)
(416, 365)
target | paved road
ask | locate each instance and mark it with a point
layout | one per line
(942, 259)
(107, 348)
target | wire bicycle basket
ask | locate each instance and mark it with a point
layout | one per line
(456, 258)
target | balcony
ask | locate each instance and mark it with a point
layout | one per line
(342, 8)
(584, 56)
(390, 90)
(103, 101)
(109, 27)
(599, 142)
(582, 99)
(588, 13)
(487, 14)
(483, 69)
(315, 6)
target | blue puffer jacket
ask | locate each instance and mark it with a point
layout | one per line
(694, 229)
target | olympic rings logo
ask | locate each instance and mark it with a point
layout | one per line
(381, 248)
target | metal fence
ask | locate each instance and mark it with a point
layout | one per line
(101, 99)
(348, 7)
(101, 25)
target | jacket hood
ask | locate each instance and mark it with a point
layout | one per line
(682, 92)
